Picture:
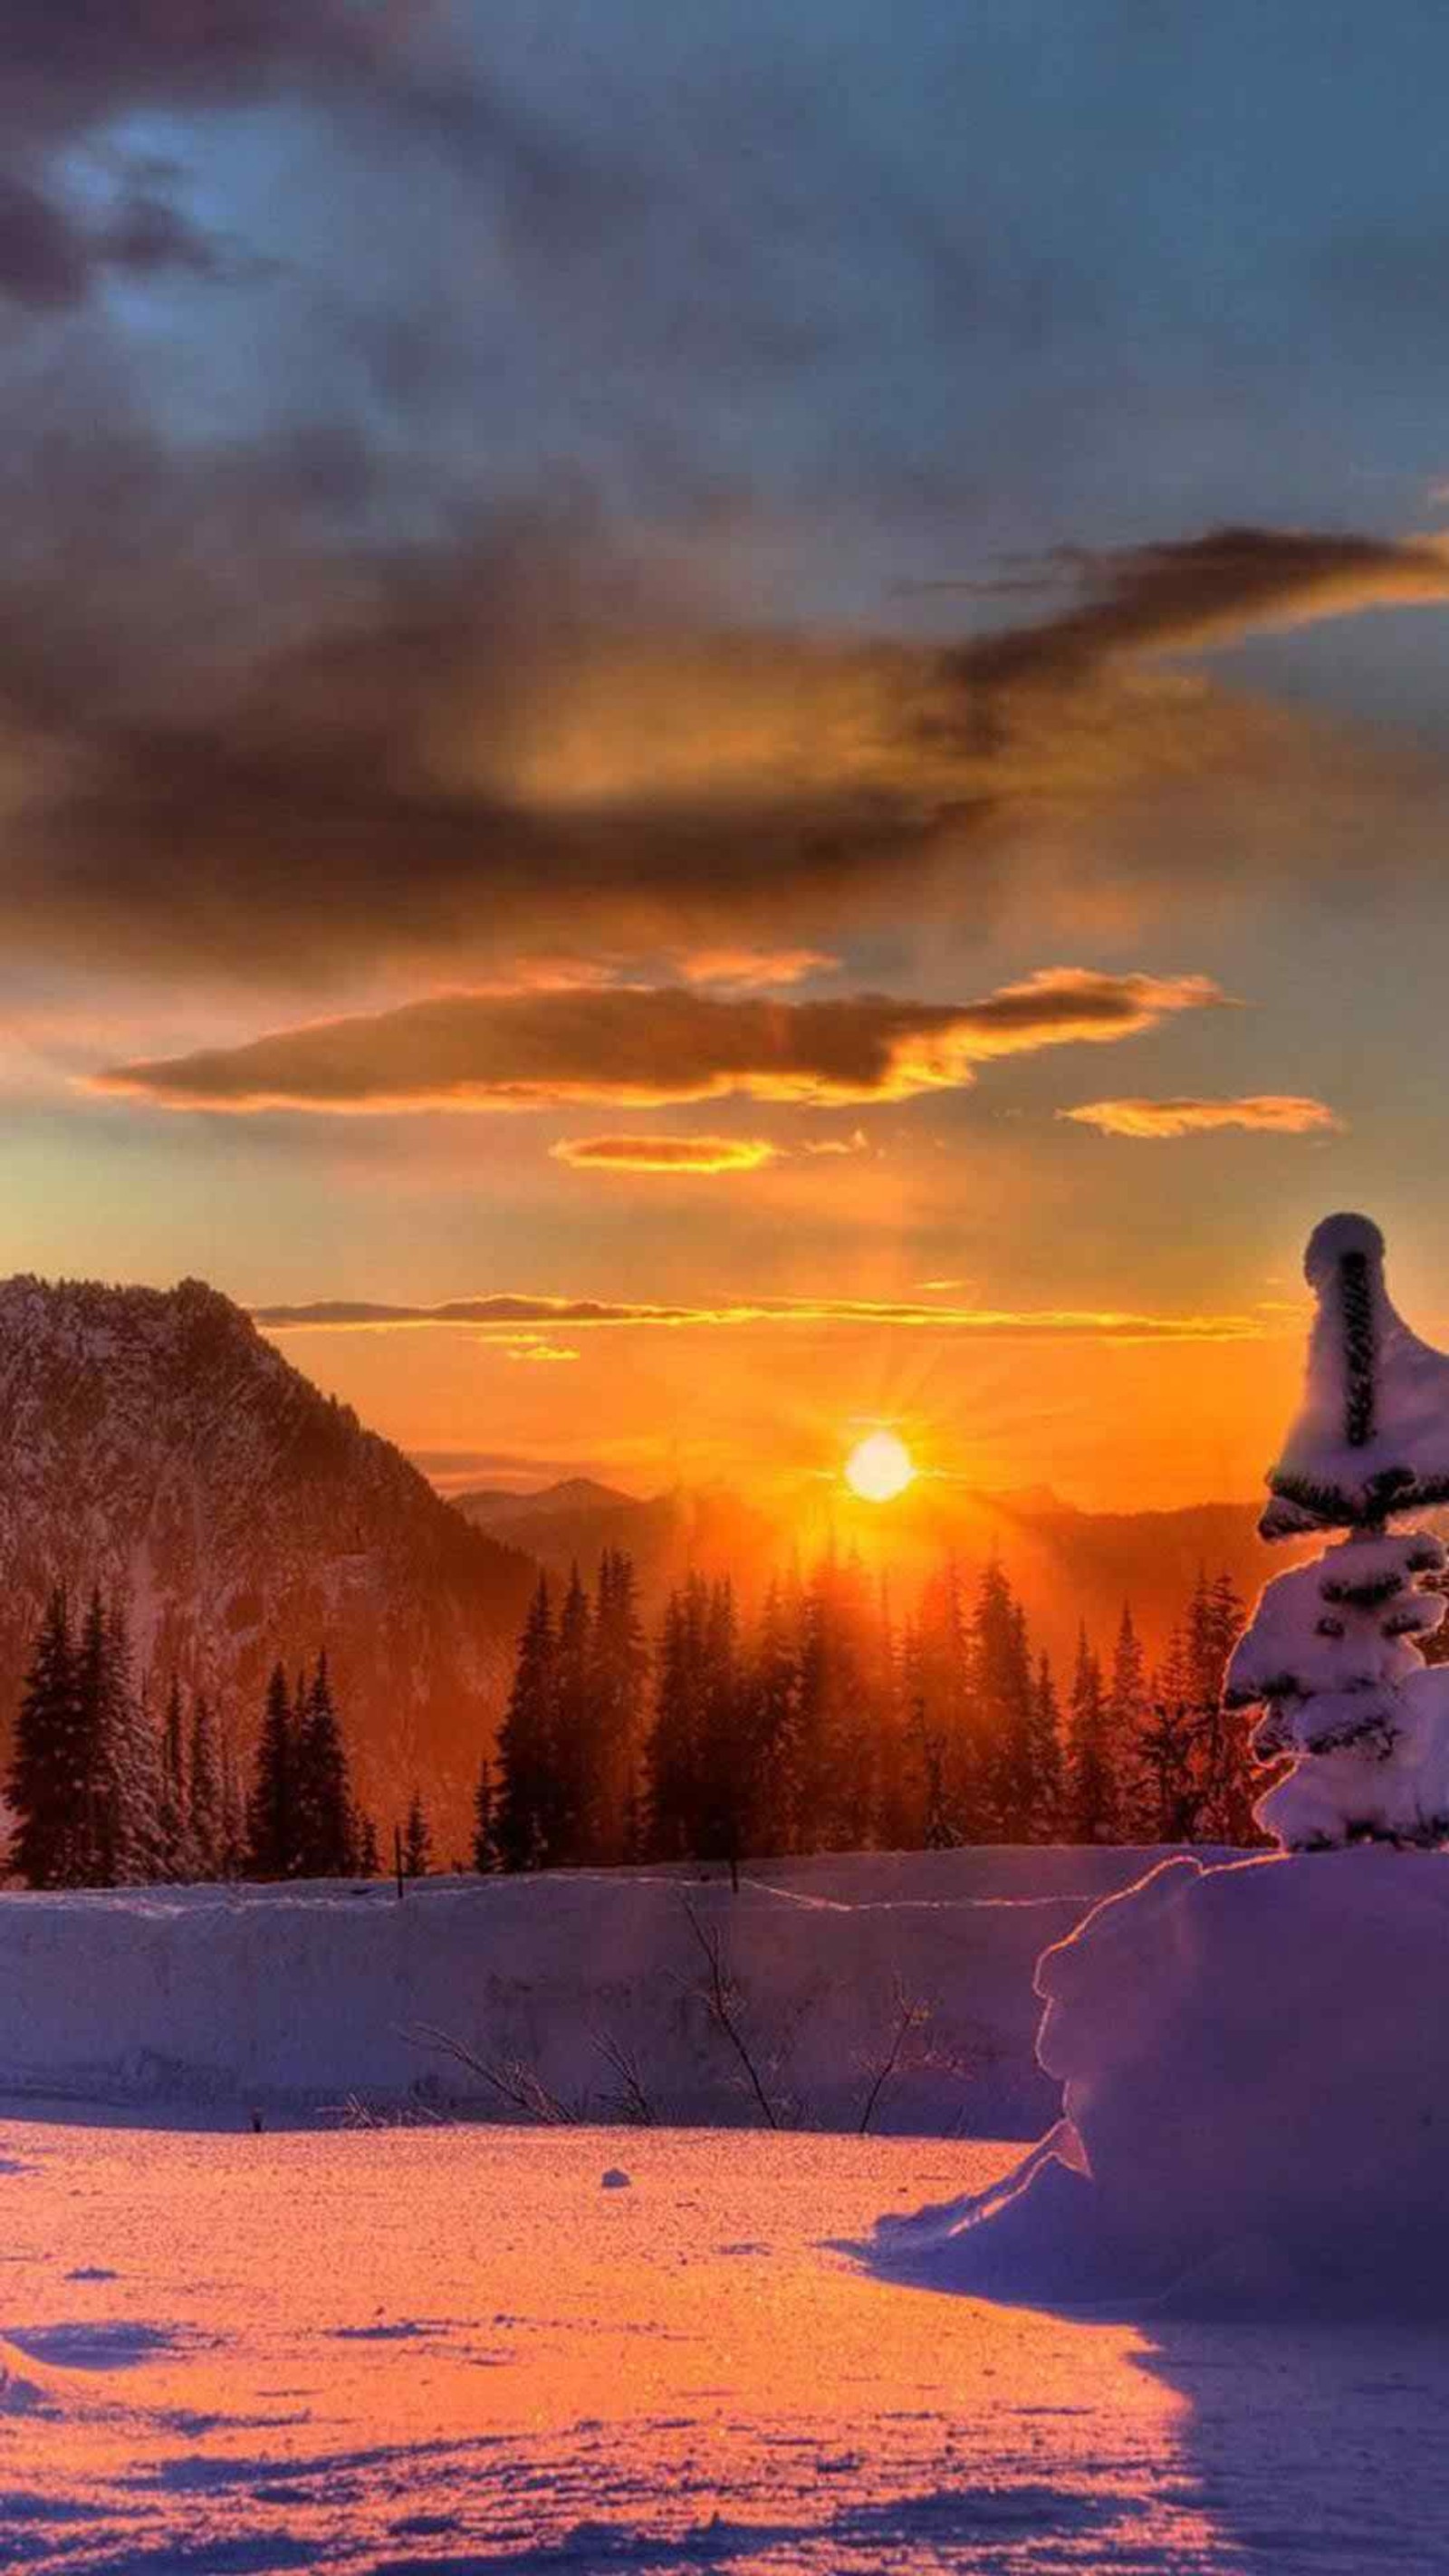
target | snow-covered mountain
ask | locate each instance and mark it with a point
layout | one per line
(151, 1440)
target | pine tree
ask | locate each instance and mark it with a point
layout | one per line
(772, 1723)
(526, 1792)
(45, 1786)
(322, 1800)
(942, 1680)
(417, 1840)
(896, 1819)
(1126, 1719)
(1046, 1756)
(177, 1854)
(722, 1817)
(571, 1830)
(1001, 1675)
(619, 1676)
(674, 1750)
(205, 1800)
(485, 1836)
(1091, 1788)
(369, 1859)
(125, 1758)
(272, 1835)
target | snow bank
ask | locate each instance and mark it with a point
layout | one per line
(294, 1999)
(1255, 2098)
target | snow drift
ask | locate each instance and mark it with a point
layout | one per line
(1255, 2100)
(295, 1998)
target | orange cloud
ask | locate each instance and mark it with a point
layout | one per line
(1264, 1114)
(757, 969)
(648, 1048)
(691, 1154)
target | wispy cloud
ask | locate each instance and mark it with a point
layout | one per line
(651, 1048)
(1263, 1114)
(700, 1155)
(504, 1314)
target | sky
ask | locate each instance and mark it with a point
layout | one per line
(718, 724)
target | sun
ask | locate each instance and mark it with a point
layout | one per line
(879, 1468)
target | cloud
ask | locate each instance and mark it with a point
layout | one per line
(70, 73)
(697, 1154)
(503, 1315)
(855, 1143)
(1209, 590)
(649, 1048)
(543, 733)
(50, 259)
(1265, 1114)
(755, 969)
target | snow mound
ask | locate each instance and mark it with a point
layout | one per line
(1255, 2101)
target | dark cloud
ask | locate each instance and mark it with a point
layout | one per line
(638, 1047)
(67, 69)
(499, 1318)
(542, 733)
(1206, 590)
(50, 259)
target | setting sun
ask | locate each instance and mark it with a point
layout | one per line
(879, 1468)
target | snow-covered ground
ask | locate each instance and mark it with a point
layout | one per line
(294, 1999)
(456, 2349)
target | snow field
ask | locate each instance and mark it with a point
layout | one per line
(451, 2350)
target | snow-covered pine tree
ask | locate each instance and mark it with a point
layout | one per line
(1331, 1653)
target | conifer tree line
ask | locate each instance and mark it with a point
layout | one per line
(824, 1724)
(110, 1789)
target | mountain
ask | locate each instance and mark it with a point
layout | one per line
(152, 1441)
(496, 1508)
(1067, 1565)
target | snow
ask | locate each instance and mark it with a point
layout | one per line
(1255, 2103)
(448, 2349)
(1329, 1653)
(294, 2000)
(1372, 1432)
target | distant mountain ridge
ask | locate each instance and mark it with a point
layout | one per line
(1066, 1564)
(153, 1441)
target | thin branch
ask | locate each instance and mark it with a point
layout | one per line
(632, 2101)
(720, 1997)
(519, 2085)
(910, 2015)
